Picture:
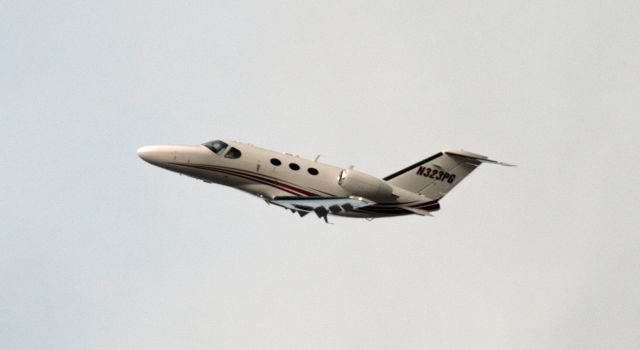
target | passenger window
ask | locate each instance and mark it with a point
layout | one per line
(276, 161)
(294, 166)
(313, 171)
(233, 153)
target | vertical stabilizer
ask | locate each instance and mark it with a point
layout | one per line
(435, 176)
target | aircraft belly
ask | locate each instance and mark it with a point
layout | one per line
(264, 186)
(362, 213)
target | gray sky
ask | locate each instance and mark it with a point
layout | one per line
(99, 250)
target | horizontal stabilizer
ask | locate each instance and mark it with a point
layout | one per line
(418, 211)
(477, 157)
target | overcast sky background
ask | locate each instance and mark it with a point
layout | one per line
(100, 250)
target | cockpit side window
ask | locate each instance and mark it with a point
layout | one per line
(233, 153)
(216, 146)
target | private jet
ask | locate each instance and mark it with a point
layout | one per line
(306, 186)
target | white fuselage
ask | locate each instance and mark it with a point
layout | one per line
(270, 175)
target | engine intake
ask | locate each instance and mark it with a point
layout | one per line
(367, 186)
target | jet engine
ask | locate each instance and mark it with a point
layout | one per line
(367, 186)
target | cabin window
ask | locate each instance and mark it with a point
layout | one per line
(313, 171)
(276, 161)
(233, 153)
(294, 166)
(216, 146)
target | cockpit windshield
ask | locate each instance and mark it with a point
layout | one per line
(216, 146)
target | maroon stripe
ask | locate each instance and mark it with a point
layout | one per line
(385, 212)
(386, 208)
(431, 206)
(254, 176)
(257, 180)
(241, 176)
(273, 180)
(281, 186)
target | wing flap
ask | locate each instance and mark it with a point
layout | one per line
(322, 206)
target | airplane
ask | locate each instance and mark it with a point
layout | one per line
(307, 186)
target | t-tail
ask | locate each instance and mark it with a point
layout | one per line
(435, 176)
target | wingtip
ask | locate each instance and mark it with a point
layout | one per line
(491, 161)
(474, 156)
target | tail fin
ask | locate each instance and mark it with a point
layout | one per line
(435, 176)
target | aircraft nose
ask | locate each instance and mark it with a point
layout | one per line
(154, 154)
(145, 153)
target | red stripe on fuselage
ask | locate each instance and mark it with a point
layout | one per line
(379, 208)
(254, 177)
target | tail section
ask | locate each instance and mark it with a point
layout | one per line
(435, 176)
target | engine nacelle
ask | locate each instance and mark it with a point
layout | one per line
(367, 186)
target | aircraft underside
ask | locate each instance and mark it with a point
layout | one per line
(296, 198)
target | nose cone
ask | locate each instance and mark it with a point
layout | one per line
(145, 152)
(156, 155)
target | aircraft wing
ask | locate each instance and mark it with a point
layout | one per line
(322, 206)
